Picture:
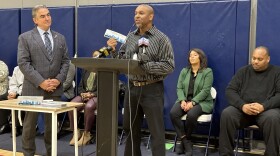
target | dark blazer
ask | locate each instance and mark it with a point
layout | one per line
(36, 65)
(68, 87)
(202, 88)
(83, 83)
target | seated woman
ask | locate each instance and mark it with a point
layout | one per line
(87, 93)
(194, 98)
(4, 85)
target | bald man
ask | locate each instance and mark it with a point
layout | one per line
(146, 92)
(253, 95)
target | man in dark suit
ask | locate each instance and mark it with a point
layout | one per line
(43, 59)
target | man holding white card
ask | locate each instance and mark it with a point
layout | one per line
(117, 36)
(146, 92)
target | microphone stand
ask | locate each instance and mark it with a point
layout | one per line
(76, 44)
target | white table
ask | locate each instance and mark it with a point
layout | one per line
(71, 106)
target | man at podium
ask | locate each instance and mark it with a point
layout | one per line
(154, 51)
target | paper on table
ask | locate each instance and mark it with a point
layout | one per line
(53, 104)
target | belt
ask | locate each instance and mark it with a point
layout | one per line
(143, 83)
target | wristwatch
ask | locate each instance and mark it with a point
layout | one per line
(193, 103)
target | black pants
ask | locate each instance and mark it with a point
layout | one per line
(146, 100)
(233, 119)
(4, 114)
(191, 122)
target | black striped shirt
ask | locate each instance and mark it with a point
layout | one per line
(159, 52)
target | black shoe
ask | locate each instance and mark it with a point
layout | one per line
(39, 133)
(179, 148)
(18, 131)
(5, 129)
(188, 146)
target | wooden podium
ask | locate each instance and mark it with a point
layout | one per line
(107, 70)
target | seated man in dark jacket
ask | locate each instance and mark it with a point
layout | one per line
(254, 98)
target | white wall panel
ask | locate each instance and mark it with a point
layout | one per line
(10, 4)
(32, 3)
(58, 3)
(105, 2)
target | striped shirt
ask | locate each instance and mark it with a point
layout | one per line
(159, 52)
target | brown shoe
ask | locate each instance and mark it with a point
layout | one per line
(85, 139)
(72, 142)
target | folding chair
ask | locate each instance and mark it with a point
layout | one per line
(249, 139)
(204, 118)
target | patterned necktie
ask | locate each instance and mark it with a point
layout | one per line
(90, 81)
(48, 44)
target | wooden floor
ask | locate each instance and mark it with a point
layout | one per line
(10, 153)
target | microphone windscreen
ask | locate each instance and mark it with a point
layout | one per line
(146, 42)
(140, 42)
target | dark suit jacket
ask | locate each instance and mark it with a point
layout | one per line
(83, 83)
(36, 65)
(202, 88)
(68, 87)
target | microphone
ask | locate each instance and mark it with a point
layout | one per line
(103, 52)
(143, 42)
(135, 55)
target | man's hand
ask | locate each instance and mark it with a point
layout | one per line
(12, 95)
(49, 85)
(112, 43)
(257, 107)
(45, 84)
(252, 108)
(54, 82)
